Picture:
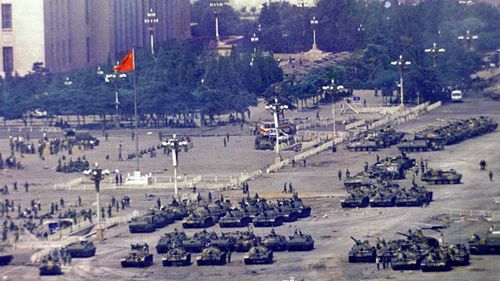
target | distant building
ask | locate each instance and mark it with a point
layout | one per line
(71, 34)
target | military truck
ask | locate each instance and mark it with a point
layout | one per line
(439, 176)
(139, 256)
(362, 252)
(258, 255)
(81, 249)
(489, 245)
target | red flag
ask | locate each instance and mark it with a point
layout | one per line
(127, 63)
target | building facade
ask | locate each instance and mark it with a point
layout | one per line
(71, 34)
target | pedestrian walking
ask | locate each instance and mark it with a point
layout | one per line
(225, 143)
(490, 174)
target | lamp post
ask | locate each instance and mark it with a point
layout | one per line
(217, 6)
(468, 38)
(97, 175)
(331, 88)
(434, 51)
(67, 81)
(151, 20)
(401, 63)
(314, 23)
(113, 78)
(174, 145)
(255, 40)
(276, 108)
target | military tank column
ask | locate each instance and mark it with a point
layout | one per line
(415, 251)
(435, 138)
(375, 186)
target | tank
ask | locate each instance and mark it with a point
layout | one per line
(355, 199)
(244, 240)
(161, 218)
(258, 255)
(177, 256)
(361, 179)
(235, 218)
(49, 266)
(198, 221)
(211, 256)
(458, 253)
(383, 197)
(274, 242)
(81, 249)
(142, 224)
(286, 212)
(268, 219)
(418, 237)
(199, 240)
(169, 240)
(419, 146)
(413, 197)
(439, 176)
(264, 143)
(139, 256)
(225, 242)
(300, 242)
(489, 245)
(405, 260)
(362, 252)
(436, 260)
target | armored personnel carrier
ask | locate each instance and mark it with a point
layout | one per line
(235, 218)
(300, 242)
(436, 260)
(362, 252)
(169, 240)
(81, 249)
(439, 176)
(200, 239)
(419, 145)
(142, 224)
(177, 256)
(355, 198)
(211, 256)
(489, 245)
(258, 255)
(139, 256)
(49, 266)
(268, 219)
(274, 242)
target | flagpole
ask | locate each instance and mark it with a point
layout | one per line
(135, 116)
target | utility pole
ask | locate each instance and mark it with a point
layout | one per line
(401, 63)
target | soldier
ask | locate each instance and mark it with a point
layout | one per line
(305, 162)
(284, 188)
(106, 135)
(109, 211)
(227, 136)
(62, 202)
(290, 187)
(120, 147)
(366, 167)
(132, 136)
(377, 261)
(347, 173)
(229, 256)
(158, 202)
(490, 174)
(121, 179)
(293, 162)
(210, 195)
(15, 186)
(225, 143)
(117, 179)
(26, 186)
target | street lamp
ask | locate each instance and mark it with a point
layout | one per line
(255, 40)
(174, 145)
(434, 51)
(314, 23)
(401, 63)
(361, 28)
(466, 2)
(468, 37)
(113, 78)
(97, 175)
(331, 88)
(276, 108)
(151, 20)
(217, 6)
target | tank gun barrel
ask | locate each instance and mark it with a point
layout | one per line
(356, 240)
(404, 234)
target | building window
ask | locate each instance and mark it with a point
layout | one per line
(8, 60)
(6, 16)
(88, 49)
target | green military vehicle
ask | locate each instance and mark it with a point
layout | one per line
(177, 256)
(258, 255)
(50, 266)
(81, 249)
(211, 256)
(489, 245)
(439, 176)
(362, 252)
